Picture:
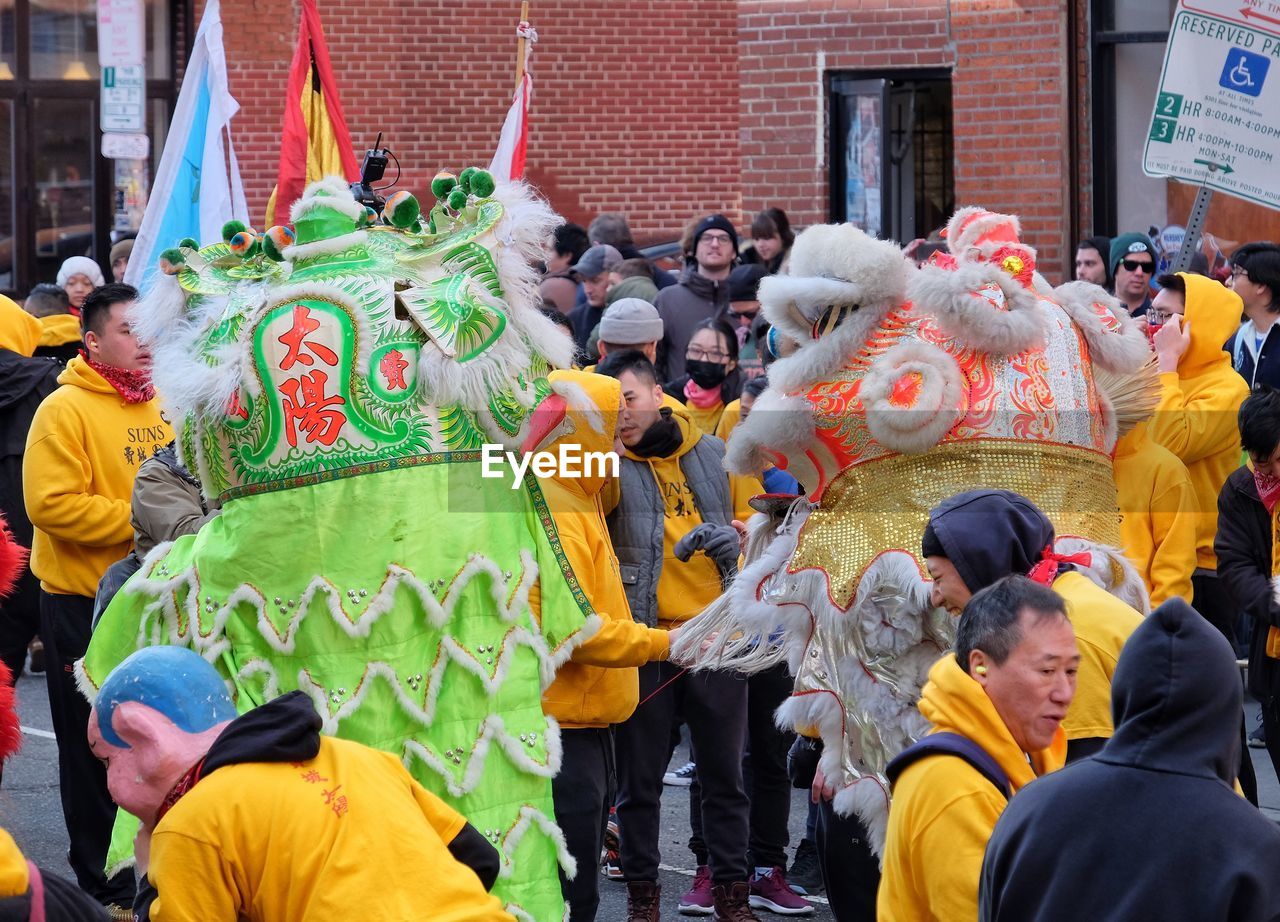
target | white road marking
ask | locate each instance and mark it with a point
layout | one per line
(43, 734)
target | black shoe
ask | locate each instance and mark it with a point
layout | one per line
(805, 876)
(37, 655)
(1258, 738)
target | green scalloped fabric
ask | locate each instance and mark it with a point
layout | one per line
(399, 601)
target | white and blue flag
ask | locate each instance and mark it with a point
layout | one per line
(197, 186)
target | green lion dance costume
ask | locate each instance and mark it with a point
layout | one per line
(333, 386)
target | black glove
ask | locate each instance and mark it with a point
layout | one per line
(719, 542)
(802, 761)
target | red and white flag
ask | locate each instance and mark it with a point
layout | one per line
(513, 143)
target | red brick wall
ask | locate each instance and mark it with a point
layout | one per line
(635, 105)
(1008, 63)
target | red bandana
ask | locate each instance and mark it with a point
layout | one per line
(1268, 489)
(1046, 571)
(133, 386)
(185, 784)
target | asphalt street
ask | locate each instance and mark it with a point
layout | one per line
(30, 809)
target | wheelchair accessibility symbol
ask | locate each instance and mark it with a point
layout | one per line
(1244, 72)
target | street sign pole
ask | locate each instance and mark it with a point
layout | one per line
(1195, 226)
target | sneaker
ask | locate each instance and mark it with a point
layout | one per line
(697, 900)
(1258, 738)
(682, 777)
(610, 865)
(769, 891)
(805, 876)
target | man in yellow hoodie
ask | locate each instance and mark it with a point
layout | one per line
(974, 539)
(1200, 396)
(996, 707)
(86, 443)
(59, 327)
(1157, 514)
(672, 501)
(600, 685)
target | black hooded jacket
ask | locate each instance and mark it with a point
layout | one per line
(987, 535)
(1151, 827)
(24, 383)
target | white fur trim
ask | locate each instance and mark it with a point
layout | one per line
(1110, 569)
(493, 730)
(580, 404)
(959, 242)
(888, 603)
(818, 360)
(954, 299)
(1116, 341)
(524, 239)
(942, 401)
(777, 426)
(329, 192)
(326, 246)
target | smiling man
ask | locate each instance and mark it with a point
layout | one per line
(976, 538)
(86, 443)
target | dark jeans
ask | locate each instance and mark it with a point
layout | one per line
(19, 622)
(714, 706)
(86, 805)
(764, 776)
(850, 871)
(1271, 727)
(583, 792)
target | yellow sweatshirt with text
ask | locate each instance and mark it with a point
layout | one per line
(1196, 416)
(600, 685)
(943, 810)
(1157, 515)
(263, 842)
(1102, 624)
(83, 451)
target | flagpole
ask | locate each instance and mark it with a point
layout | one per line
(522, 43)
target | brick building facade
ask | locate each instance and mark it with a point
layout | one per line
(886, 112)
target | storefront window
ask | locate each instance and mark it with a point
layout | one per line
(8, 43)
(1140, 199)
(6, 194)
(64, 40)
(63, 199)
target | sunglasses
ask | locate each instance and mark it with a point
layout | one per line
(1132, 265)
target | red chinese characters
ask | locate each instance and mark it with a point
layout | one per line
(296, 338)
(307, 408)
(392, 369)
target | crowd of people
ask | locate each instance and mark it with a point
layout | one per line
(1048, 668)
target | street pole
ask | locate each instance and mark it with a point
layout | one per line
(1195, 227)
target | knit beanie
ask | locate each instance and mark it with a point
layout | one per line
(80, 265)
(716, 222)
(1127, 245)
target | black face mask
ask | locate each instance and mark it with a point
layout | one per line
(706, 374)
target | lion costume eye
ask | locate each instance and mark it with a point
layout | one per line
(832, 317)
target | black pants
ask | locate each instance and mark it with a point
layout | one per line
(764, 776)
(87, 807)
(850, 871)
(1271, 727)
(714, 705)
(19, 622)
(583, 792)
(1210, 599)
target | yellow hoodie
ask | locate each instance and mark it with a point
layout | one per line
(58, 330)
(1157, 515)
(1102, 624)
(19, 331)
(685, 587)
(1196, 416)
(600, 685)
(729, 420)
(943, 810)
(15, 876)
(83, 451)
(261, 841)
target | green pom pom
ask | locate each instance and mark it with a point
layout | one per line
(275, 240)
(369, 218)
(231, 228)
(464, 179)
(457, 200)
(402, 209)
(189, 243)
(482, 184)
(244, 244)
(443, 183)
(171, 261)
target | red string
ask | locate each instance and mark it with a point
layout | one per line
(662, 686)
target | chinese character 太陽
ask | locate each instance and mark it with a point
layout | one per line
(305, 404)
(392, 368)
(339, 806)
(330, 795)
(296, 338)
